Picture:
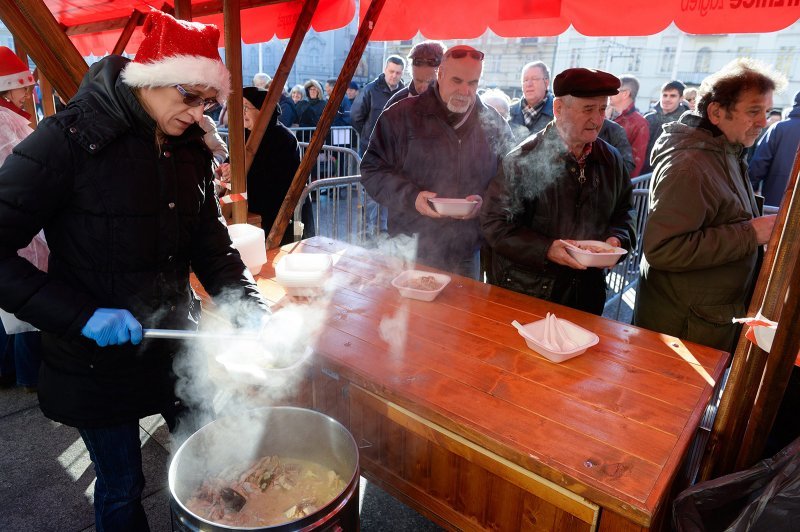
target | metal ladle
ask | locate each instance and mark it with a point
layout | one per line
(178, 334)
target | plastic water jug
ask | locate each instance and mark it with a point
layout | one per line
(249, 241)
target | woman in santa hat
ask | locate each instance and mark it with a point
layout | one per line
(121, 182)
(20, 351)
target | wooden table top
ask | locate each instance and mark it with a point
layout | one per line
(612, 425)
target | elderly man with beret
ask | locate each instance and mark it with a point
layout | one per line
(561, 184)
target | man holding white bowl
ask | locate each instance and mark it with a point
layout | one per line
(560, 184)
(430, 159)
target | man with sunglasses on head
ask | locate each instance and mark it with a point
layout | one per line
(425, 58)
(121, 183)
(561, 183)
(443, 143)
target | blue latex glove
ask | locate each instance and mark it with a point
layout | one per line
(112, 326)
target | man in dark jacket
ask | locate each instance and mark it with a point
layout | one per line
(343, 114)
(121, 183)
(444, 143)
(535, 109)
(372, 98)
(669, 109)
(562, 183)
(702, 242)
(425, 58)
(774, 156)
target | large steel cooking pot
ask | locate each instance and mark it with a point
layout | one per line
(282, 431)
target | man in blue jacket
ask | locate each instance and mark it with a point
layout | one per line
(774, 157)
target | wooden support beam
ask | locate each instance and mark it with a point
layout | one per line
(42, 53)
(749, 361)
(233, 60)
(198, 10)
(48, 98)
(778, 368)
(278, 81)
(183, 9)
(51, 49)
(30, 104)
(324, 124)
(136, 19)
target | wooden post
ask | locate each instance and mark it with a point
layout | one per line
(135, 19)
(278, 81)
(776, 375)
(30, 104)
(51, 35)
(749, 361)
(48, 98)
(41, 51)
(233, 60)
(310, 157)
(183, 9)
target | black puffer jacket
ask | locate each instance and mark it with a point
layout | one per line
(125, 221)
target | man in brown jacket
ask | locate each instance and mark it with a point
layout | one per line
(702, 243)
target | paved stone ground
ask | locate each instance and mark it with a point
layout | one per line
(47, 480)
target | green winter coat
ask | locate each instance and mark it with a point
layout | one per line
(700, 251)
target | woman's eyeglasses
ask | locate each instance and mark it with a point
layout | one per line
(418, 61)
(195, 100)
(460, 54)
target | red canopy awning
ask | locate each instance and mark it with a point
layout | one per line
(456, 19)
(449, 19)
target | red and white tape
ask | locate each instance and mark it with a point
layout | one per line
(232, 198)
(223, 184)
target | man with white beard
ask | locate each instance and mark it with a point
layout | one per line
(444, 143)
(561, 183)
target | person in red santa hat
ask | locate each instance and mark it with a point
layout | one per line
(121, 182)
(19, 351)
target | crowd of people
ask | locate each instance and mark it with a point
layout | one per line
(122, 184)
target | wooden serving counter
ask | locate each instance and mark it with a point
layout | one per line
(455, 416)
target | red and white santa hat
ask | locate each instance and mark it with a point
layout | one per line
(177, 52)
(14, 74)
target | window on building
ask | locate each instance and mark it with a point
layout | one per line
(667, 59)
(744, 51)
(702, 62)
(785, 59)
(494, 63)
(635, 60)
(575, 57)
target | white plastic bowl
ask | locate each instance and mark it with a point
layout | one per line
(452, 206)
(401, 283)
(303, 274)
(596, 260)
(583, 338)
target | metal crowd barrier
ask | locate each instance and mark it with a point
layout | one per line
(339, 208)
(342, 136)
(622, 279)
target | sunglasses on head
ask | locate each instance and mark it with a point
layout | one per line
(418, 61)
(195, 100)
(460, 54)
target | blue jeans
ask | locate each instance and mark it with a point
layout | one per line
(21, 353)
(117, 457)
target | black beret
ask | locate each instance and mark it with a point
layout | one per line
(585, 83)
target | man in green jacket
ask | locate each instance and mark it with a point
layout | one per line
(704, 234)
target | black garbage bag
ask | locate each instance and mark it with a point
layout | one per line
(764, 497)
